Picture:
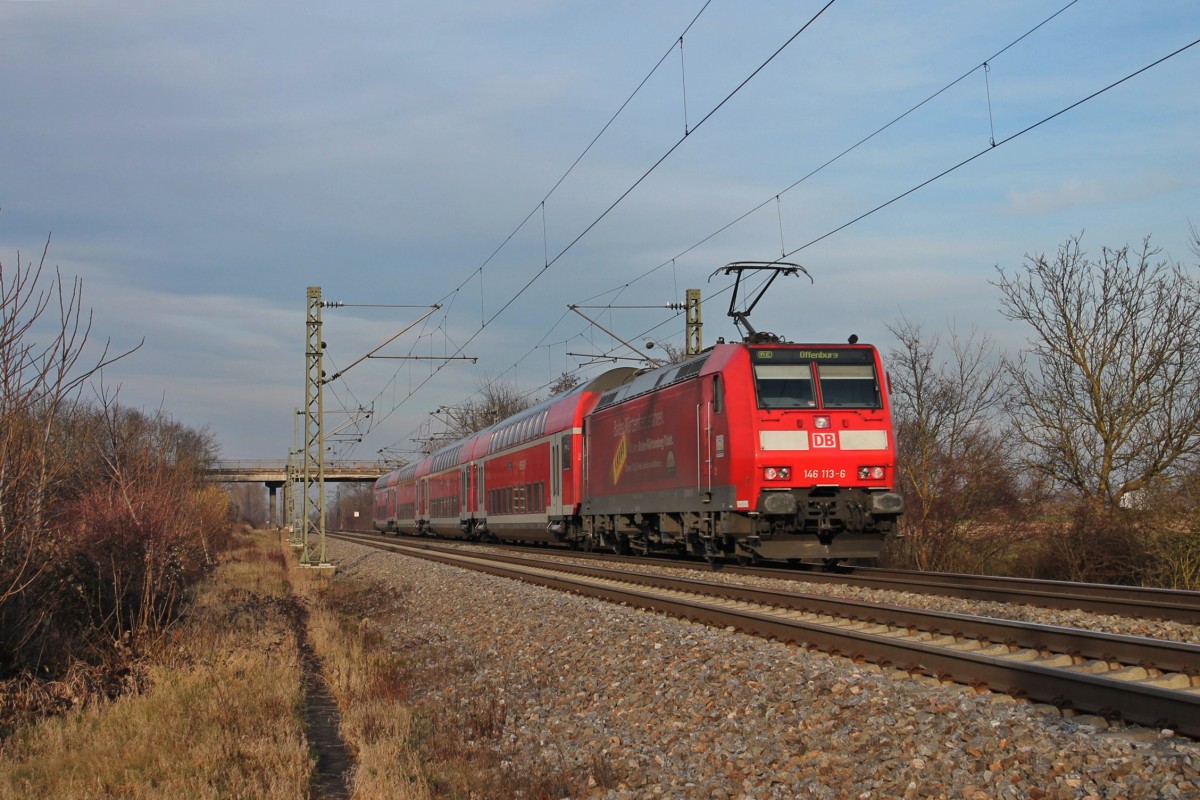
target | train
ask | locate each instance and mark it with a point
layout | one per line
(752, 450)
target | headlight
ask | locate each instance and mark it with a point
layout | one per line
(870, 473)
(777, 473)
(821, 422)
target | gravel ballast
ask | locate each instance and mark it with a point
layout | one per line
(650, 706)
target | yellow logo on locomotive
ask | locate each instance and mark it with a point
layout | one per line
(618, 463)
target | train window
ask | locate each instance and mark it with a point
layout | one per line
(566, 453)
(718, 395)
(846, 386)
(784, 385)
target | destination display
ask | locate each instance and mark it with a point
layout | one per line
(802, 354)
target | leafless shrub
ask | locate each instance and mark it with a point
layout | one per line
(104, 518)
(564, 383)
(353, 498)
(248, 503)
(956, 468)
(1171, 509)
(1094, 546)
(43, 340)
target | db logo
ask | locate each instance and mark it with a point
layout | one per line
(824, 439)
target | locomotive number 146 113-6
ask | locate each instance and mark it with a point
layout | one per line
(817, 474)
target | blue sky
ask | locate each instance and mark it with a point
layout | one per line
(200, 164)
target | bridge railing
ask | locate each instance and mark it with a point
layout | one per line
(244, 465)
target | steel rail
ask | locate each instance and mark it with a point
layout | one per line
(1126, 601)
(795, 617)
(1176, 604)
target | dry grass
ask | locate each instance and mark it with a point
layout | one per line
(222, 719)
(371, 687)
(223, 716)
(379, 677)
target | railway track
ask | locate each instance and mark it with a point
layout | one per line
(1093, 598)
(1145, 681)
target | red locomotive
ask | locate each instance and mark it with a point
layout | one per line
(755, 450)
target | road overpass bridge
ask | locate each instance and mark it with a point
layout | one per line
(274, 475)
(276, 471)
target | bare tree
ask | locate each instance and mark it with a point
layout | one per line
(672, 354)
(495, 400)
(1107, 396)
(955, 466)
(564, 383)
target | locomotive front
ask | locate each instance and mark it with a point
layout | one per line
(762, 451)
(823, 467)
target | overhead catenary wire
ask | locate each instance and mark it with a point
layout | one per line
(447, 299)
(604, 129)
(812, 173)
(844, 152)
(992, 144)
(547, 262)
(520, 292)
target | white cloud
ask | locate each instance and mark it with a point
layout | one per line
(1075, 192)
(1072, 193)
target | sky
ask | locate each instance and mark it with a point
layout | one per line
(198, 166)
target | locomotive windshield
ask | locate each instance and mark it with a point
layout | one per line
(846, 386)
(841, 386)
(784, 385)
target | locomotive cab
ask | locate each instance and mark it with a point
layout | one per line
(825, 463)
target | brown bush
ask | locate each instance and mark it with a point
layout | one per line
(1094, 545)
(105, 520)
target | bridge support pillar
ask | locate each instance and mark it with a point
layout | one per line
(272, 502)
